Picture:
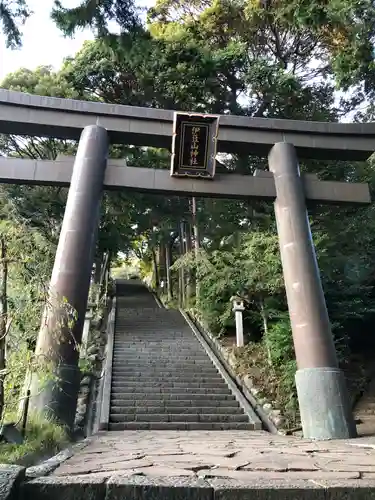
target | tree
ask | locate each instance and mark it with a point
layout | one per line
(97, 14)
(13, 14)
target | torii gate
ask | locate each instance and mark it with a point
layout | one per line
(322, 393)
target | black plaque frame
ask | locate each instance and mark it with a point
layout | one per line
(203, 162)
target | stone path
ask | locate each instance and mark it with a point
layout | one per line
(236, 455)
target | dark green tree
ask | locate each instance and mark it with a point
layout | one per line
(13, 14)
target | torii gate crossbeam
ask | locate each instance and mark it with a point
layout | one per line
(33, 115)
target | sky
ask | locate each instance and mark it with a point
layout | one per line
(43, 43)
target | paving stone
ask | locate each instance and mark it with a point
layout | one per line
(282, 463)
(106, 459)
(210, 461)
(113, 465)
(146, 488)
(208, 451)
(230, 489)
(305, 475)
(88, 487)
(160, 471)
(339, 465)
(166, 452)
(368, 476)
(11, 477)
(363, 458)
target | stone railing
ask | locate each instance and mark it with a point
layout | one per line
(95, 340)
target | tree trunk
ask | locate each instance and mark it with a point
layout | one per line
(101, 264)
(182, 270)
(162, 267)
(104, 275)
(168, 271)
(188, 249)
(3, 317)
(264, 316)
(196, 243)
(155, 269)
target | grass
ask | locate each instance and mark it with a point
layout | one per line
(42, 437)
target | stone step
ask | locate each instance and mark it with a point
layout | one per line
(156, 341)
(157, 350)
(162, 345)
(154, 332)
(157, 379)
(146, 349)
(164, 371)
(184, 396)
(130, 329)
(166, 385)
(142, 349)
(134, 324)
(151, 367)
(162, 364)
(148, 368)
(125, 389)
(131, 318)
(180, 375)
(174, 403)
(132, 335)
(180, 426)
(176, 417)
(169, 409)
(129, 340)
(163, 357)
(171, 360)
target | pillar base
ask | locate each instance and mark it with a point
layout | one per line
(57, 399)
(324, 404)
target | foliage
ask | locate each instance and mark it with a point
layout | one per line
(251, 268)
(42, 436)
(96, 14)
(13, 14)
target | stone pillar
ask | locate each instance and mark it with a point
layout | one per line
(238, 308)
(321, 387)
(61, 330)
(86, 330)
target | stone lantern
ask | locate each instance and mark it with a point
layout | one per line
(238, 308)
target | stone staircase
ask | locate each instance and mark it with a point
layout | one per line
(162, 377)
